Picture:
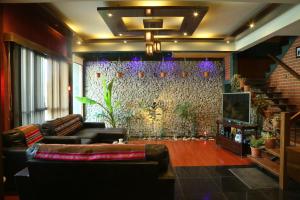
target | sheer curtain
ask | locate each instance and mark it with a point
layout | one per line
(33, 80)
(57, 89)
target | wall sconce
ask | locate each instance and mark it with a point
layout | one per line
(157, 46)
(148, 11)
(149, 49)
(98, 74)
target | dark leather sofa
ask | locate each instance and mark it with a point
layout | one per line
(87, 132)
(152, 178)
(66, 130)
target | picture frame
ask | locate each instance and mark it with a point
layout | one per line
(298, 52)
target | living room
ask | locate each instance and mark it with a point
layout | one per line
(153, 99)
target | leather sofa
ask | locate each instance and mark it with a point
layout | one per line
(148, 178)
(87, 132)
(14, 151)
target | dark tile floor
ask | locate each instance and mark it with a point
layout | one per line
(218, 183)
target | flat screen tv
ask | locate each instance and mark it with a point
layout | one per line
(236, 106)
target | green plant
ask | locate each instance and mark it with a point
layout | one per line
(187, 114)
(235, 83)
(256, 143)
(108, 108)
(268, 135)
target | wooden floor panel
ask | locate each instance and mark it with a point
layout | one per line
(198, 153)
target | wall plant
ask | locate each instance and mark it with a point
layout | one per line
(108, 108)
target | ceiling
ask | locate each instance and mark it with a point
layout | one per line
(221, 26)
(83, 18)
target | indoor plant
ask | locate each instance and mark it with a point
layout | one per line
(188, 116)
(108, 107)
(270, 139)
(235, 83)
(256, 145)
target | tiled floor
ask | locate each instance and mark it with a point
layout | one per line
(217, 183)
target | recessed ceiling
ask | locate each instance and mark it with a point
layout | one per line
(220, 20)
(136, 23)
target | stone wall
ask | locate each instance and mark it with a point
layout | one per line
(136, 94)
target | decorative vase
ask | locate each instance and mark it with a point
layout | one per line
(141, 74)
(184, 74)
(163, 74)
(270, 143)
(120, 74)
(255, 152)
(206, 74)
(246, 88)
(98, 74)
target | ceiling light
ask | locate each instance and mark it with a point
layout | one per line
(120, 34)
(185, 33)
(149, 37)
(195, 14)
(148, 11)
(175, 41)
(227, 41)
(252, 25)
(109, 15)
(149, 49)
(79, 42)
(156, 46)
(125, 41)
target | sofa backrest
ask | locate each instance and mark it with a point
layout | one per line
(23, 136)
(67, 125)
(93, 179)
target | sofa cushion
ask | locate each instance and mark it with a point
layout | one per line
(23, 136)
(67, 125)
(98, 152)
(31, 133)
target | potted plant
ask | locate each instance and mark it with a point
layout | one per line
(256, 145)
(188, 116)
(235, 83)
(270, 140)
(108, 107)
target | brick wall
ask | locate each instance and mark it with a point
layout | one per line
(285, 82)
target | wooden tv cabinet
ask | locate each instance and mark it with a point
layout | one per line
(227, 141)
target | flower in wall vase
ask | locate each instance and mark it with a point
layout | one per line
(120, 74)
(163, 74)
(141, 74)
(184, 74)
(206, 74)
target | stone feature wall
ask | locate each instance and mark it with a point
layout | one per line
(136, 95)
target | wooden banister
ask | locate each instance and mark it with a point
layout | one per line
(284, 142)
(285, 66)
(295, 117)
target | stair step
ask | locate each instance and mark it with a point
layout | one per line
(274, 152)
(267, 164)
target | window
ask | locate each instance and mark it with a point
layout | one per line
(77, 88)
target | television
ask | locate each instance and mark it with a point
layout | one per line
(236, 106)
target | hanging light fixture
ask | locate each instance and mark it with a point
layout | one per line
(149, 49)
(156, 46)
(149, 37)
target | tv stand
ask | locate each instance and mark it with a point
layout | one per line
(226, 136)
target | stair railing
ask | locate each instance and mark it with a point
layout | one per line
(285, 66)
(285, 125)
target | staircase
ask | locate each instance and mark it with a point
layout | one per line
(271, 158)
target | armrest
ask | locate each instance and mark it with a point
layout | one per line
(61, 140)
(15, 153)
(93, 124)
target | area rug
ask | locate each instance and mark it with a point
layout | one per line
(253, 178)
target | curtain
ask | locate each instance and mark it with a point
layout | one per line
(57, 86)
(33, 99)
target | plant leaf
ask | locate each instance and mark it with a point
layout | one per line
(86, 100)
